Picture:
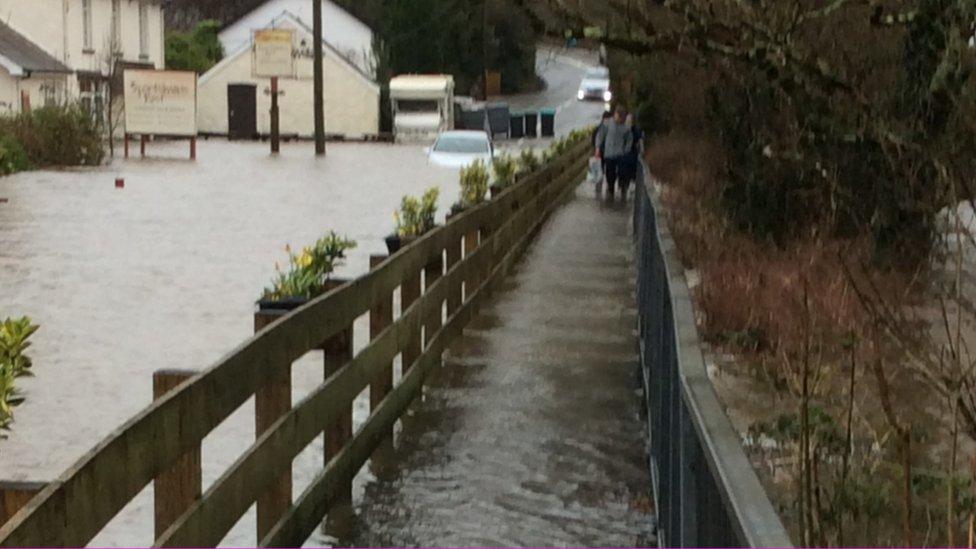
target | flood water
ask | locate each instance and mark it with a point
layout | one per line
(163, 274)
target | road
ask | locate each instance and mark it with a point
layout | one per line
(164, 274)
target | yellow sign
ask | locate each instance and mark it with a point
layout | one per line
(160, 102)
(273, 52)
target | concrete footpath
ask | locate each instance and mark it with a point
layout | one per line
(531, 434)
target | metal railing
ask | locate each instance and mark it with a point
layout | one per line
(707, 493)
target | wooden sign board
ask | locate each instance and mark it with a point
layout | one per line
(274, 53)
(160, 102)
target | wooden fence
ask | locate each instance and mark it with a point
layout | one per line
(461, 261)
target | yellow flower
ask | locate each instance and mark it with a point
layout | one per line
(306, 259)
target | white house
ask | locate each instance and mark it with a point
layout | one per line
(53, 51)
(232, 100)
(346, 34)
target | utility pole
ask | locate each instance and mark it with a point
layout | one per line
(319, 90)
(275, 118)
(484, 47)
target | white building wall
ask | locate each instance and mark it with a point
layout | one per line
(40, 87)
(351, 100)
(57, 26)
(350, 36)
(9, 94)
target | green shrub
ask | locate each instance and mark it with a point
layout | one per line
(416, 216)
(474, 184)
(503, 169)
(528, 161)
(13, 159)
(309, 270)
(196, 51)
(14, 364)
(56, 136)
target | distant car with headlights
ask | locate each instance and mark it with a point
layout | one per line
(595, 85)
(461, 148)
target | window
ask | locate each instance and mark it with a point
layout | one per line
(116, 26)
(143, 30)
(86, 21)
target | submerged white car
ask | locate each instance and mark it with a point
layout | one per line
(595, 85)
(460, 148)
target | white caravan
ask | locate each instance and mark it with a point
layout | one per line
(423, 106)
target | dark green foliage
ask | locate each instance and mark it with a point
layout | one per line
(14, 364)
(197, 51)
(55, 136)
(13, 159)
(457, 37)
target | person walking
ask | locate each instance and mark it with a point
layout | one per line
(598, 147)
(628, 169)
(615, 141)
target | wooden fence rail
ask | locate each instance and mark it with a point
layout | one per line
(162, 442)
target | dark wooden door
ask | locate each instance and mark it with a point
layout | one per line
(242, 111)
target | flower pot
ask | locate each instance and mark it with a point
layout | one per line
(456, 209)
(285, 304)
(395, 242)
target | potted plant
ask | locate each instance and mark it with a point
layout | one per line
(414, 218)
(307, 274)
(503, 169)
(474, 186)
(528, 162)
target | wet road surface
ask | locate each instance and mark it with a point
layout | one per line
(531, 434)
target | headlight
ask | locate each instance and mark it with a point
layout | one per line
(608, 96)
(581, 95)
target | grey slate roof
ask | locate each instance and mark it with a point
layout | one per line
(26, 54)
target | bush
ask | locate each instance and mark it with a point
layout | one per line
(194, 51)
(14, 364)
(474, 184)
(55, 136)
(309, 270)
(416, 216)
(528, 161)
(13, 159)
(503, 169)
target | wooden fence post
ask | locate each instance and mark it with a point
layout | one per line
(175, 489)
(471, 282)
(14, 495)
(271, 401)
(409, 293)
(432, 324)
(454, 251)
(380, 317)
(338, 350)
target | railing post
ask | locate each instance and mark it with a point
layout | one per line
(409, 293)
(472, 281)
(14, 495)
(337, 352)
(271, 401)
(454, 251)
(380, 317)
(432, 273)
(175, 489)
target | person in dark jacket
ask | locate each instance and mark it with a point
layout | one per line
(628, 169)
(597, 146)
